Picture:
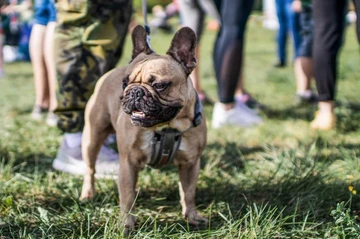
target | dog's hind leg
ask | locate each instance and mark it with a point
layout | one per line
(188, 177)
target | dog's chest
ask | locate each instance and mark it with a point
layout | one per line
(148, 149)
(146, 144)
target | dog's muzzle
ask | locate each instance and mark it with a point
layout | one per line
(145, 109)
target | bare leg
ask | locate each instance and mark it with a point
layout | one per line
(326, 106)
(188, 177)
(325, 118)
(1, 54)
(50, 63)
(128, 175)
(195, 75)
(303, 73)
(37, 60)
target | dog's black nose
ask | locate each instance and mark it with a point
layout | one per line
(138, 93)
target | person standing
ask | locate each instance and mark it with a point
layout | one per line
(88, 42)
(228, 57)
(303, 63)
(193, 13)
(288, 22)
(329, 20)
(42, 60)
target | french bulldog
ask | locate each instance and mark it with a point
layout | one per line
(154, 92)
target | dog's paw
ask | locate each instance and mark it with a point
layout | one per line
(129, 225)
(194, 218)
(87, 193)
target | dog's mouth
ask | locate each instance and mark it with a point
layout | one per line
(139, 118)
(140, 115)
(146, 110)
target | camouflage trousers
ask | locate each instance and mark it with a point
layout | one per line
(88, 42)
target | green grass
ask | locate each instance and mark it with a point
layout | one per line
(279, 180)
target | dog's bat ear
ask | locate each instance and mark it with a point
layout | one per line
(140, 44)
(182, 48)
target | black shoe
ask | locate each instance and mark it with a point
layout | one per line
(38, 113)
(250, 102)
(301, 101)
(280, 65)
(166, 27)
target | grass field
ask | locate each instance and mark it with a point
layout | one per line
(279, 180)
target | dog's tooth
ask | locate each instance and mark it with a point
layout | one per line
(138, 113)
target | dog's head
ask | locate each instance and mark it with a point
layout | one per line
(156, 88)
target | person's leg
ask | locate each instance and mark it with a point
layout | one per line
(81, 60)
(84, 51)
(293, 19)
(302, 79)
(52, 118)
(228, 55)
(357, 10)
(208, 6)
(50, 64)
(195, 74)
(36, 48)
(198, 10)
(228, 52)
(193, 17)
(282, 32)
(2, 37)
(303, 63)
(171, 10)
(303, 73)
(328, 31)
(37, 59)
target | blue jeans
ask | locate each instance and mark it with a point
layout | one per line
(307, 32)
(288, 22)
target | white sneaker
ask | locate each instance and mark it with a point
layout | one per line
(38, 113)
(240, 115)
(250, 112)
(70, 160)
(52, 119)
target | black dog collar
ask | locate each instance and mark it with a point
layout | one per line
(166, 143)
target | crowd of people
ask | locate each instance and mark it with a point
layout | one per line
(15, 28)
(72, 45)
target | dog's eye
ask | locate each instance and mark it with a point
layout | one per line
(161, 86)
(125, 83)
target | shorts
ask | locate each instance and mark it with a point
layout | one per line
(45, 12)
(193, 13)
(307, 32)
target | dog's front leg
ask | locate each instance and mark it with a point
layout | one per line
(92, 140)
(188, 177)
(127, 182)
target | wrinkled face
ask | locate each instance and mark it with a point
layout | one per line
(156, 87)
(154, 91)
